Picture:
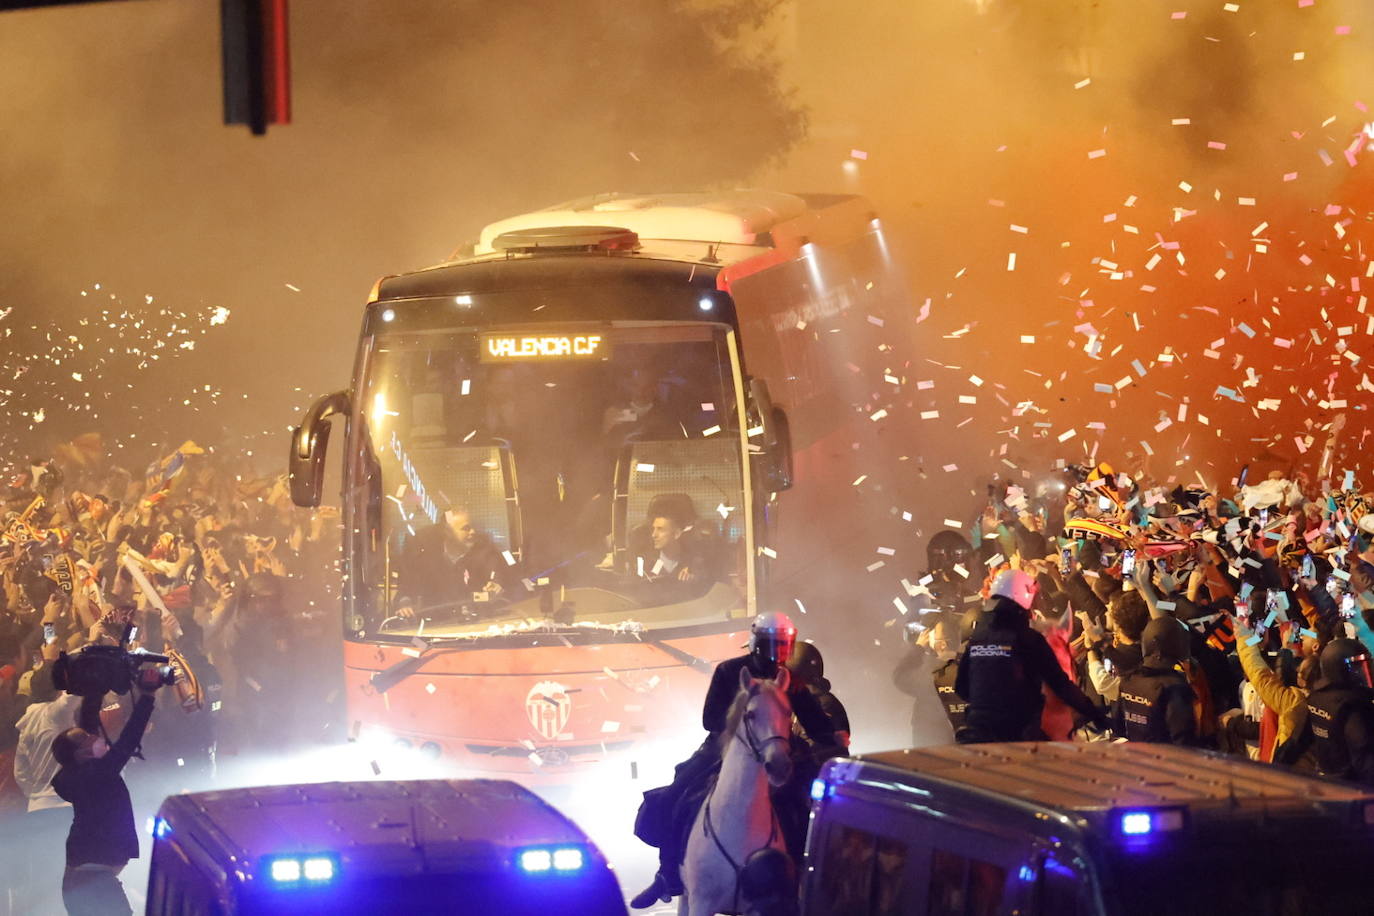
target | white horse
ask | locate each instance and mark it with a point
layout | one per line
(737, 818)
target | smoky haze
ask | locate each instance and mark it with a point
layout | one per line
(987, 129)
(1085, 138)
(415, 123)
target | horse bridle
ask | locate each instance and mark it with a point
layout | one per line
(751, 741)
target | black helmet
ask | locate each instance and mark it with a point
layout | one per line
(1345, 663)
(946, 549)
(806, 663)
(1164, 643)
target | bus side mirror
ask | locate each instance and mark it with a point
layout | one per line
(309, 443)
(775, 431)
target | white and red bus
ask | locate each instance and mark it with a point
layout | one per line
(586, 370)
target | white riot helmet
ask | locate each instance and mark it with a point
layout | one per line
(1016, 585)
(772, 636)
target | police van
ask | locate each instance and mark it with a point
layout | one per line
(429, 846)
(1077, 829)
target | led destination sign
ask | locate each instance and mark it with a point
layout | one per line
(530, 347)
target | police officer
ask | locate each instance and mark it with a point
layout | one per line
(1155, 702)
(1340, 713)
(808, 664)
(1005, 666)
(667, 812)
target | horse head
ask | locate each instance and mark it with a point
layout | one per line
(766, 724)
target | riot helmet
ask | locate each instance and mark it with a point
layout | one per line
(1345, 663)
(1016, 586)
(1164, 643)
(771, 637)
(946, 550)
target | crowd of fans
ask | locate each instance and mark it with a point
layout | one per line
(190, 556)
(1236, 620)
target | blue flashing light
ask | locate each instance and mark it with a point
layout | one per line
(161, 829)
(569, 859)
(544, 860)
(1136, 823)
(318, 868)
(302, 871)
(536, 861)
(820, 789)
(286, 871)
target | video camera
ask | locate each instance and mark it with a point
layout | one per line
(97, 670)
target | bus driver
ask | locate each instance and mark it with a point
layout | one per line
(449, 564)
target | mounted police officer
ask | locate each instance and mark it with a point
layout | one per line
(1155, 702)
(1005, 666)
(666, 813)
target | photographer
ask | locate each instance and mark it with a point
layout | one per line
(103, 838)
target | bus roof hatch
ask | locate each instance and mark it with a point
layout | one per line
(566, 238)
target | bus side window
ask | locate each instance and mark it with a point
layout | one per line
(963, 886)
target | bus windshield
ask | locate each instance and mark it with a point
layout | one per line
(583, 475)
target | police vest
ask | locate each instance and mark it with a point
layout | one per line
(1139, 697)
(955, 705)
(1003, 701)
(1327, 711)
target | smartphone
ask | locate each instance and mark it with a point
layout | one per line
(49, 634)
(1128, 563)
(1309, 569)
(1264, 517)
(133, 634)
(1104, 504)
(1243, 612)
(1347, 606)
(1065, 560)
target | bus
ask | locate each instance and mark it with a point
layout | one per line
(579, 458)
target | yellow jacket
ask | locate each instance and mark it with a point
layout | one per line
(1289, 703)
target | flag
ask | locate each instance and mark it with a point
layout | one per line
(160, 474)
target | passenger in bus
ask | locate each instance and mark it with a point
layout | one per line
(678, 560)
(448, 566)
(645, 410)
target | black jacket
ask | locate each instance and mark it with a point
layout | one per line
(429, 577)
(1002, 672)
(103, 829)
(725, 685)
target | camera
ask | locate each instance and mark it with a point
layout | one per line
(98, 670)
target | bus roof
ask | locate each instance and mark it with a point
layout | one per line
(731, 217)
(731, 234)
(371, 823)
(1095, 777)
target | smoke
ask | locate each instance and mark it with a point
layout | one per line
(416, 123)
